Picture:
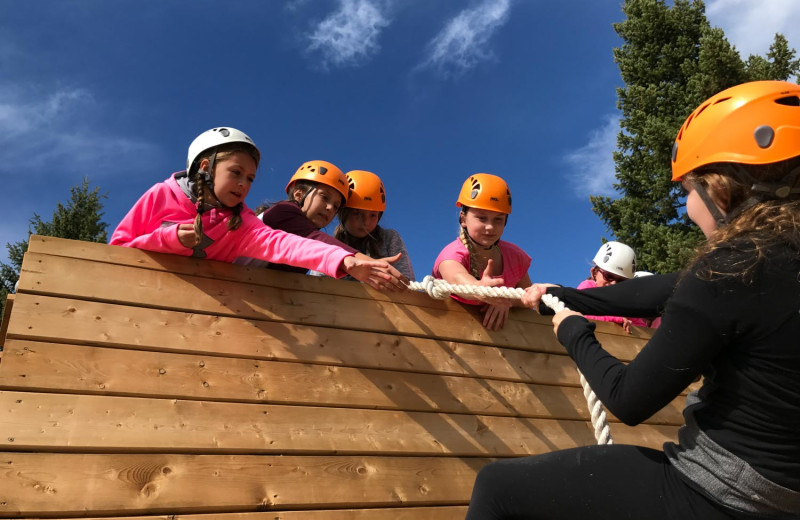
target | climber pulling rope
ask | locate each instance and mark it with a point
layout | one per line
(441, 289)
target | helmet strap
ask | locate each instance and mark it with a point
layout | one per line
(208, 178)
(720, 218)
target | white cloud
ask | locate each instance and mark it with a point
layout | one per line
(41, 133)
(461, 44)
(751, 25)
(592, 166)
(349, 36)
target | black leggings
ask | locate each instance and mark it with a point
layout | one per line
(617, 481)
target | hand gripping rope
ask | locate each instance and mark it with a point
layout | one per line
(441, 289)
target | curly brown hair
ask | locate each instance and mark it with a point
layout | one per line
(757, 223)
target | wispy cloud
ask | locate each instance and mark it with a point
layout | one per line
(592, 165)
(40, 133)
(349, 36)
(462, 43)
(751, 26)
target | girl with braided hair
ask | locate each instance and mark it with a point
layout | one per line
(200, 212)
(732, 316)
(478, 256)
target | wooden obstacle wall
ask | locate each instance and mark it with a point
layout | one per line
(135, 384)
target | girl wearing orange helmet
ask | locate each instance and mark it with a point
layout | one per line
(315, 193)
(358, 222)
(478, 256)
(732, 316)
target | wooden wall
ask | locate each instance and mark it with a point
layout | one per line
(135, 384)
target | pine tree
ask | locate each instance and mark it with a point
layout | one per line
(80, 219)
(671, 60)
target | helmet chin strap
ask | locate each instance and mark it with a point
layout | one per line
(719, 217)
(209, 181)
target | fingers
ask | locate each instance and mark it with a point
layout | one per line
(533, 296)
(561, 316)
(495, 317)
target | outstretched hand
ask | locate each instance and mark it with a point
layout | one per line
(378, 274)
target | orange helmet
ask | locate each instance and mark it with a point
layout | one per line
(485, 191)
(366, 191)
(751, 123)
(322, 172)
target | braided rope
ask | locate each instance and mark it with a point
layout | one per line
(440, 289)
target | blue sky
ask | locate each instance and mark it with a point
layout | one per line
(423, 93)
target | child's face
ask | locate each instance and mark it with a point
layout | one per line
(233, 177)
(484, 226)
(361, 222)
(603, 278)
(321, 204)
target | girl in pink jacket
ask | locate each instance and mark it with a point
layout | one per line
(200, 212)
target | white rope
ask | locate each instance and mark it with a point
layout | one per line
(440, 289)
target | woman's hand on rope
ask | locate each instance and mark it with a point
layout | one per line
(376, 273)
(561, 316)
(496, 314)
(533, 295)
(186, 235)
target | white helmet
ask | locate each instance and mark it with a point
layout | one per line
(616, 258)
(215, 137)
(642, 274)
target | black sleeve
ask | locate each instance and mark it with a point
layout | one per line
(637, 298)
(692, 332)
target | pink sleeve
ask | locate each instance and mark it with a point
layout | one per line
(141, 230)
(456, 251)
(273, 245)
(591, 284)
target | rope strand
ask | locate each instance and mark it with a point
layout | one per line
(440, 290)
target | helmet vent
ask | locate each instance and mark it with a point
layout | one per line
(721, 100)
(790, 101)
(323, 170)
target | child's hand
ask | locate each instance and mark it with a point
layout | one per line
(626, 325)
(561, 316)
(496, 315)
(393, 271)
(533, 294)
(373, 272)
(186, 235)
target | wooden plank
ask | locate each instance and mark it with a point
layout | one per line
(140, 287)
(395, 513)
(59, 422)
(76, 369)
(33, 484)
(44, 318)
(6, 318)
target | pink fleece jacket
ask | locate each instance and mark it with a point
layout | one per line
(590, 284)
(151, 224)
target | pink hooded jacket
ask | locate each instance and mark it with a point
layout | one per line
(151, 224)
(590, 284)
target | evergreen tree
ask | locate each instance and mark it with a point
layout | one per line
(78, 220)
(671, 60)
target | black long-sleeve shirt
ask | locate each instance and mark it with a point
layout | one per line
(744, 338)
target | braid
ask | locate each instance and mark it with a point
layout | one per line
(198, 223)
(236, 218)
(473, 260)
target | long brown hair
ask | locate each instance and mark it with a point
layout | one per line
(765, 222)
